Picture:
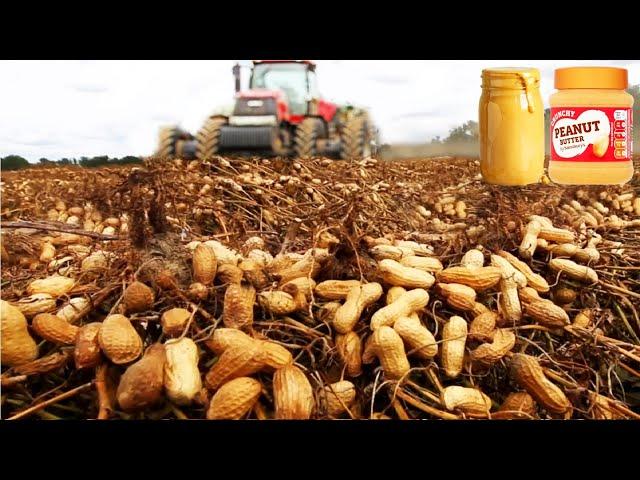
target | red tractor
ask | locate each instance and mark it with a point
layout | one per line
(283, 114)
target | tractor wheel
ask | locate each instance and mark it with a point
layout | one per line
(167, 138)
(306, 137)
(208, 138)
(356, 139)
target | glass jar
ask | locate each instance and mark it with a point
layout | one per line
(511, 121)
(591, 120)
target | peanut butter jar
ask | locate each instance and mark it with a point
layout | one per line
(511, 121)
(591, 120)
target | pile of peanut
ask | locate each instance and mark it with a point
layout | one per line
(393, 320)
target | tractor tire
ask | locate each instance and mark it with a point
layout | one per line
(356, 139)
(208, 138)
(306, 137)
(167, 139)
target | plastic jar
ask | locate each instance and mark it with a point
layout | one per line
(511, 121)
(591, 120)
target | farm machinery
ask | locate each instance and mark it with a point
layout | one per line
(283, 114)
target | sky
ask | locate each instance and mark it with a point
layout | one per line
(57, 109)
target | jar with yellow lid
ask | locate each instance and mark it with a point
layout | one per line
(511, 121)
(591, 119)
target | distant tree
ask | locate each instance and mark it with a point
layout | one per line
(129, 159)
(465, 133)
(13, 162)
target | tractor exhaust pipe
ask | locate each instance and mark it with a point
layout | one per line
(236, 76)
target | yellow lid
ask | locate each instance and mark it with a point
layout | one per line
(510, 77)
(591, 77)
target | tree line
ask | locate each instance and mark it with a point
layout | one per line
(16, 162)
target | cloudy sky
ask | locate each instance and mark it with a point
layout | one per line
(58, 109)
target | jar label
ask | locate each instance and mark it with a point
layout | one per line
(591, 134)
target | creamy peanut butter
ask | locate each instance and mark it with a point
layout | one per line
(511, 121)
(591, 119)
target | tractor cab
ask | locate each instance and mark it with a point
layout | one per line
(296, 79)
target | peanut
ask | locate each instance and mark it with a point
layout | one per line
(228, 274)
(478, 309)
(387, 345)
(275, 356)
(428, 264)
(48, 252)
(335, 289)
(224, 338)
(417, 338)
(583, 319)
(118, 339)
(529, 239)
(564, 296)
(383, 252)
(35, 304)
(234, 362)
(407, 303)
(182, 380)
(357, 300)
(477, 278)
(17, 346)
(543, 221)
(304, 285)
(281, 303)
(55, 285)
(234, 399)
(489, 353)
(517, 405)
(509, 303)
(327, 313)
(87, 352)
(141, 385)
(415, 248)
(573, 270)
(558, 235)
(545, 312)
(205, 264)
(533, 279)
(254, 273)
(454, 338)
(292, 394)
(223, 255)
(238, 306)
(509, 270)
(528, 373)
(73, 311)
(564, 250)
(396, 274)
(138, 297)
(469, 401)
(460, 297)
(338, 397)
(473, 259)
(309, 267)
(54, 329)
(174, 321)
(483, 326)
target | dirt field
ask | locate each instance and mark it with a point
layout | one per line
(313, 350)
